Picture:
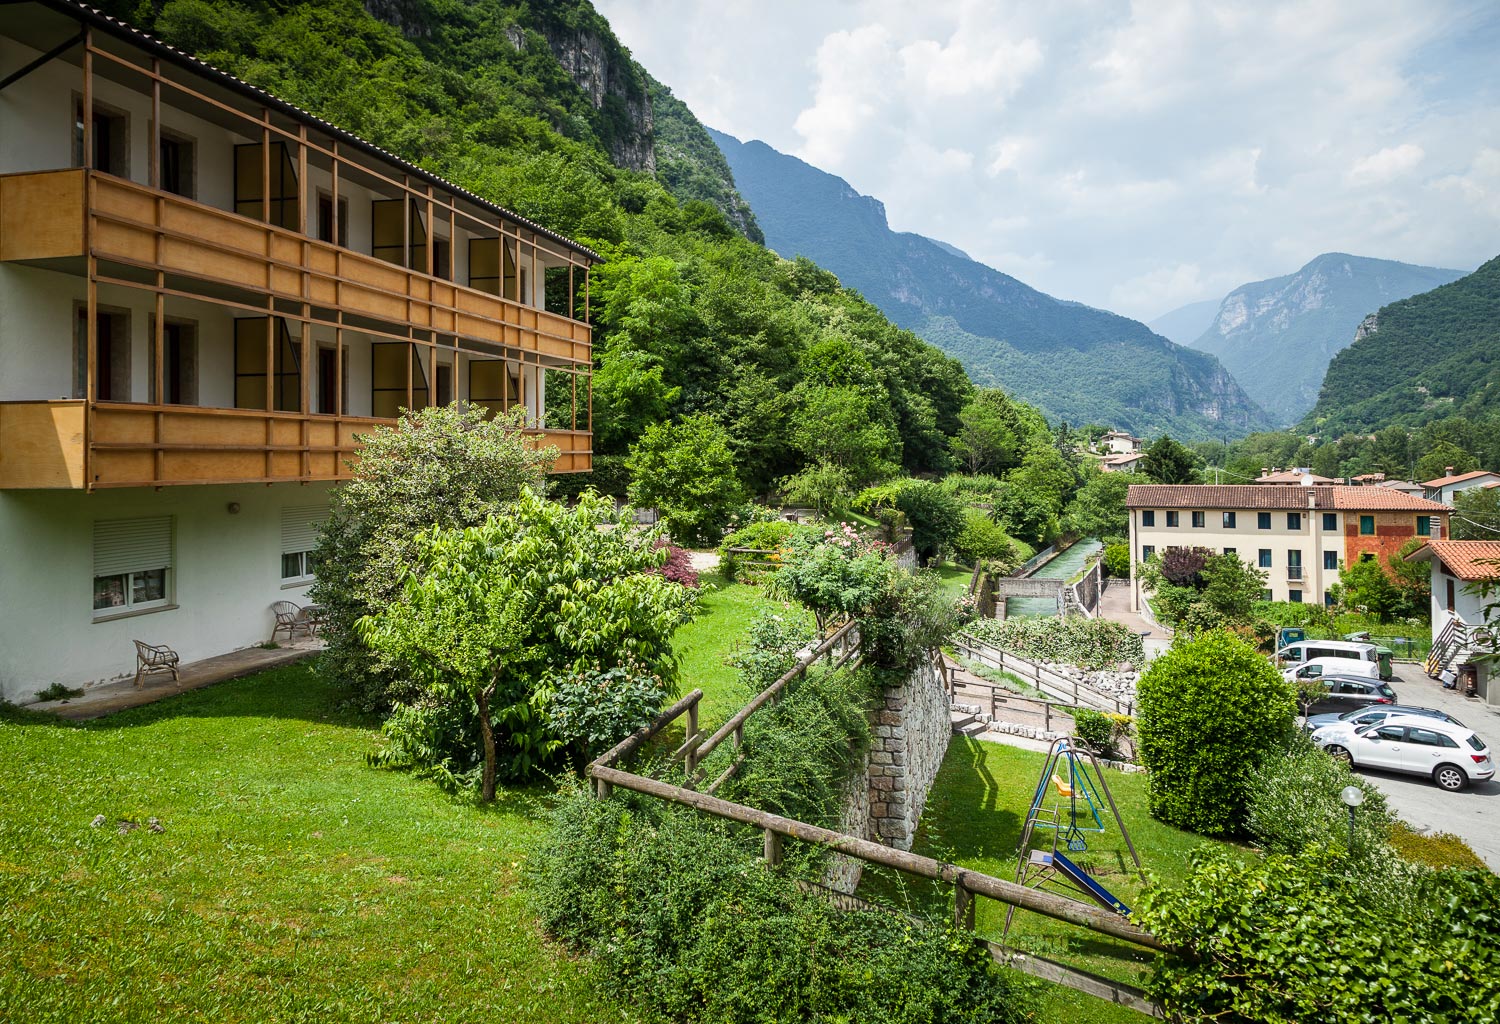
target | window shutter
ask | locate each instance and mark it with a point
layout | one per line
(132, 545)
(299, 527)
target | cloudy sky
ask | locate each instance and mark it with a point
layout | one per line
(1135, 157)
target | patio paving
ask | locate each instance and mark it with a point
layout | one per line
(119, 694)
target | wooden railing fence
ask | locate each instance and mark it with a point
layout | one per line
(1063, 689)
(842, 647)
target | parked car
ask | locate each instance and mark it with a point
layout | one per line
(1333, 667)
(1350, 693)
(1374, 715)
(1304, 651)
(1450, 754)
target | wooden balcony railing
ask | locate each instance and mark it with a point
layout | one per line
(70, 444)
(43, 215)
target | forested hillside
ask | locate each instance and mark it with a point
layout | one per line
(1077, 363)
(1277, 336)
(1426, 358)
(537, 107)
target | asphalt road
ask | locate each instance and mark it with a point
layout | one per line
(1474, 813)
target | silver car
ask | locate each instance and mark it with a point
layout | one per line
(1450, 754)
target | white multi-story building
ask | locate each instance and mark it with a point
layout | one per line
(206, 296)
(1299, 535)
(1120, 442)
(1464, 627)
(1445, 488)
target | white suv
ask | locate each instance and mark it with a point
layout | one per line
(1451, 754)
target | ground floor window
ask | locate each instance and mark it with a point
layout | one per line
(132, 565)
(299, 540)
(1295, 596)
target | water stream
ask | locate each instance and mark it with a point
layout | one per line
(1060, 568)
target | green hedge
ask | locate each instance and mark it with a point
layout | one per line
(1089, 643)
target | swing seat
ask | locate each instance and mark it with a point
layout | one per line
(1063, 789)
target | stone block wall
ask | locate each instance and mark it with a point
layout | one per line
(911, 734)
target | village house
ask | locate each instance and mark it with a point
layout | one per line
(1297, 475)
(206, 296)
(1300, 536)
(1444, 488)
(1121, 463)
(1462, 632)
(1118, 442)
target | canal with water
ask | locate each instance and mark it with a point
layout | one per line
(1060, 568)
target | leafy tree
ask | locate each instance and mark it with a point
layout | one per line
(822, 486)
(1029, 515)
(836, 426)
(983, 540)
(1184, 566)
(990, 438)
(1232, 586)
(630, 394)
(935, 515)
(1365, 585)
(1476, 514)
(1440, 457)
(443, 466)
(1117, 560)
(1208, 711)
(1098, 509)
(1412, 579)
(1168, 462)
(686, 472)
(491, 614)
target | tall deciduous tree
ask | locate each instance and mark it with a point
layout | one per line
(1168, 462)
(686, 472)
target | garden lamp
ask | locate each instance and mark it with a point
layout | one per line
(1352, 796)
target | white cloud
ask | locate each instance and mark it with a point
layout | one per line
(1386, 165)
(1122, 154)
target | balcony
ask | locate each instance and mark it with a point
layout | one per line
(1294, 573)
(75, 445)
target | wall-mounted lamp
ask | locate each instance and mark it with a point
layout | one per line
(234, 508)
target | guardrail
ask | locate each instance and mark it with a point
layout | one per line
(1059, 687)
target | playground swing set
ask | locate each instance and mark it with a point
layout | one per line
(1072, 772)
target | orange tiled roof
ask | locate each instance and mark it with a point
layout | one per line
(1292, 477)
(1466, 559)
(1460, 478)
(1293, 497)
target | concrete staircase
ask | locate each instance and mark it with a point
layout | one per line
(966, 722)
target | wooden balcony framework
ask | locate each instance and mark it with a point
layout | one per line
(142, 237)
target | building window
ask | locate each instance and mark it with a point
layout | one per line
(1265, 558)
(1330, 521)
(1367, 556)
(1424, 526)
(132, 565)
(299, 538)
(175, 165)
(1330, 559)
(1147, 551)
(1328, 599)
(1200, 520)
(111, 139)
(1148, 517)
(1231, 551)
(1367, 526)
(1450, 596)
(179, 346)
(1262, 520)
(1265, 595)
(1294, 596)
(1294, 520)
(111, 355)
(1228, 520)
(1172, 519)
(1294, 565)
(326, 221)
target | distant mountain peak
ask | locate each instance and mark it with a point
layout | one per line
(1075, 362)
(1277, 336)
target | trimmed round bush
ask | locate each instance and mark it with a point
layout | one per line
(1117, 560)
(1209, 712)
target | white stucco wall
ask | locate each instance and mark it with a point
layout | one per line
(226, 569)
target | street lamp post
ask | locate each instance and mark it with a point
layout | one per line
(1352, 796)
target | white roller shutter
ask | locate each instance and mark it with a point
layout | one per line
(132, 545)
(299, 527)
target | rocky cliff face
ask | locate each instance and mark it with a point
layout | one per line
(615, 85)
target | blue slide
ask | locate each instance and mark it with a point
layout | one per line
(1084, 881)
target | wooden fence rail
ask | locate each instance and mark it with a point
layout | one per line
(1059, 687)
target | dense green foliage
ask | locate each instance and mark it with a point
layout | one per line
(1283, 940)
(686, 472)
(1117, 560)
(686, 923)
(1075, 362)
(1194, 589)
(1168, 462)
(1294, 805)
(1430, 356)
(984, 540)
(690, 165)
(448, 467)
(502, 614)
(1098, 509)
(1208, 711)
(934, 513)
(1476, 514)
(1278, 335)
(1073, 640)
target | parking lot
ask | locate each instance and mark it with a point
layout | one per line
(1473, 813)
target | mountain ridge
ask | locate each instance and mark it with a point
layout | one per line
(1076, 362)
(1278, 336)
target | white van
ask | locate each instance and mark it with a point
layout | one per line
(1304, 651)
(1319, 667)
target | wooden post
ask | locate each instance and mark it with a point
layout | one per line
(265, 172)
(963, 907)
(302, 187)
(154, 161)
(772, 848)
(333, 196)
(88, 104)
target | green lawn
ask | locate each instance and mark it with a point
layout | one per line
(292, 882)
(727, 609)
(955, 578)
(974, 817)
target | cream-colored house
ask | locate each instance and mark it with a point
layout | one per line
(1462, 631)
(1299, 535)
(1118, 442)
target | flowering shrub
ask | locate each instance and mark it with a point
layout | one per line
(1088, 643)
(771, 646)
(593, 708)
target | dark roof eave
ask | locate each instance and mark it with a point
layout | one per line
(134, 36)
